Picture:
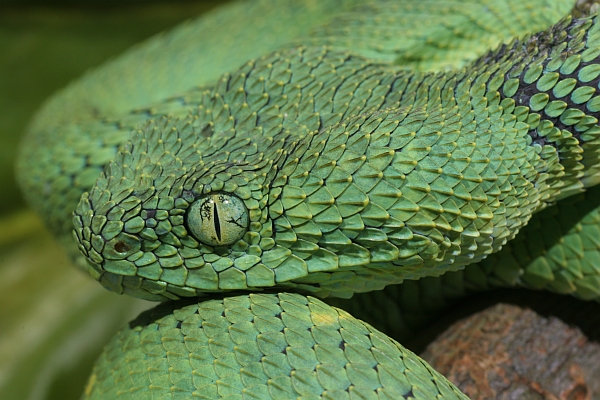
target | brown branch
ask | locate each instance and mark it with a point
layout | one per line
(506, 352)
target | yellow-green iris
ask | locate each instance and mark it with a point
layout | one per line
(218, 219)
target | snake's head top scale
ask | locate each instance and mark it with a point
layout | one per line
(167, 220)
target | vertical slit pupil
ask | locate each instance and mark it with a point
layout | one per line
(217, 221)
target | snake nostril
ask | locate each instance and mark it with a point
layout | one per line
(121, 247)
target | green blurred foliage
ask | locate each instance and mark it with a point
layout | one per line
(53, 319)
(43, 48)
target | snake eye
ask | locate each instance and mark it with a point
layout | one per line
(218, 219)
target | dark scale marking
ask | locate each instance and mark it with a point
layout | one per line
(544, 42)
(207, 131)
(523, 96)
(150, 214)
(536, 138)
(567, 99)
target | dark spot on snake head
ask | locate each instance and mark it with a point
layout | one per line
(208, 131)
(121, 247)
(150, 213)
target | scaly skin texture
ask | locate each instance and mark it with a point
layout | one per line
(346, 199)
(260, 346)
(334, 163)
(557, 250)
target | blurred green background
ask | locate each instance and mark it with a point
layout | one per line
(53, 319)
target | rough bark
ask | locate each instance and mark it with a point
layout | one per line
(507, 352)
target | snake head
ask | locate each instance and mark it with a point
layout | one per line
(168, 220)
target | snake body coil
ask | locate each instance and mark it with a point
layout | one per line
(325, 167)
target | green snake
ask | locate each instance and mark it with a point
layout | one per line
(338, 160)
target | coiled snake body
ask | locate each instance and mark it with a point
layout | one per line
(330, 164)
